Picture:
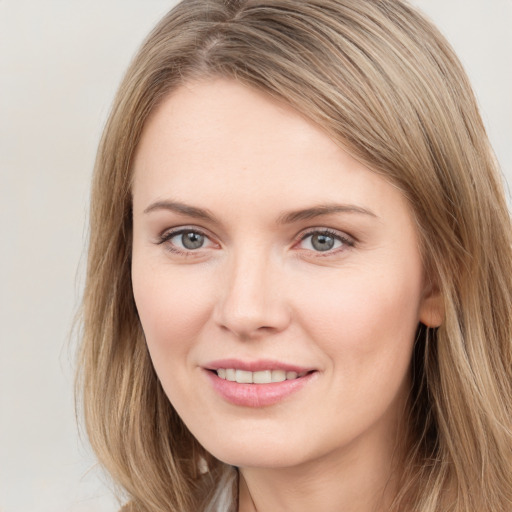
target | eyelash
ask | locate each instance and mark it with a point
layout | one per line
(168, 235)
(346, 242)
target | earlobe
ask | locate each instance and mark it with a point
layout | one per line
(432, 307)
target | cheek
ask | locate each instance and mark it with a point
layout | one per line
(365, 320)
(172, 305)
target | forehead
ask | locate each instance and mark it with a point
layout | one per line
(211, 116)
(219, 139)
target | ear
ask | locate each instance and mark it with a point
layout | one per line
(432, 307)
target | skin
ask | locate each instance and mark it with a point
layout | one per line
(259, 289)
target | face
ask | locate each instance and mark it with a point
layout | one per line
(278, 280)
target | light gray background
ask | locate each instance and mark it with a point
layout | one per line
(60, 63)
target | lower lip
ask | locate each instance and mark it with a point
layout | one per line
(257, 395)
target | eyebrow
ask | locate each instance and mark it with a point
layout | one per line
(320, 210)
(284, 218)
(181, 208)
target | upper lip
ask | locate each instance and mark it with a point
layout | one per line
(256, 365)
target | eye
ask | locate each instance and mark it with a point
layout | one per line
(185, 239)
(189, 240)
(324, 241)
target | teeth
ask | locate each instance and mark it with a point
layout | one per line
(243, 377)
(278, 375)
(261, 377)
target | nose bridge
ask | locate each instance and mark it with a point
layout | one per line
(252, 300)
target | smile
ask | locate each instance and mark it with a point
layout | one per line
(258, 383)
(259, 377)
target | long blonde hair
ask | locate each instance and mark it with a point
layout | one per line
(384, 83)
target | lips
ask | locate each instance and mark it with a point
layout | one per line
(257, 383)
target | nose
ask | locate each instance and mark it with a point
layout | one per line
(252, 300)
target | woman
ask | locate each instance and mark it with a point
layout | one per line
(299, 277)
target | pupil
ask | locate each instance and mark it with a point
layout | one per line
(322, 242)
(192, 240)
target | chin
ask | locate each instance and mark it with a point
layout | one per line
(257, 458)
(254, 451)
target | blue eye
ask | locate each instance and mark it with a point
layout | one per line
(189, 240)
(323, 241)
(185, 240)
